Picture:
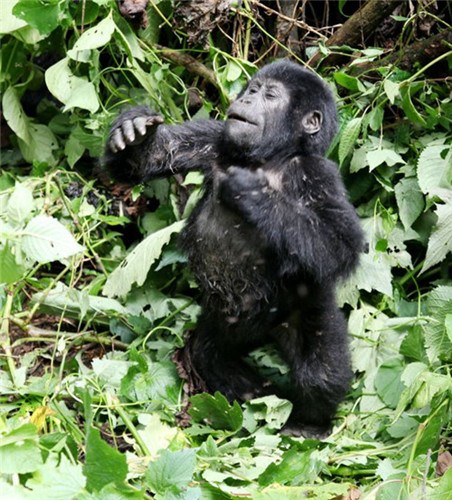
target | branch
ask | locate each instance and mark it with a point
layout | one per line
(190, 63)
(419, 52)
(358, 27)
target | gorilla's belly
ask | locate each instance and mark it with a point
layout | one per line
(228, 259)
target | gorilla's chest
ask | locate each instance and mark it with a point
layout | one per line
(228, 257)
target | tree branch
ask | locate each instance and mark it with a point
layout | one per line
(358, 27)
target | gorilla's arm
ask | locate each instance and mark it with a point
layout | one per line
(140, 147)
(308, 222)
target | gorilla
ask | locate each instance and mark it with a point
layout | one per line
(269, 239)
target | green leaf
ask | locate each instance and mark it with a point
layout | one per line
(20, 204)
(387, 382)
(71, 90)
(8, 21)
(95, 37)
(392, 90)
(57, 479)
(409, 200)
(216, 412)
(326, 491)
(10, 271)
(271, 409)
(296, 467)
(439, 305)
(40, 15)
(442, 491)
(45, 240)
(440, 241)
(348, 138)
(19, 451)
(348, 82)
(103, 464)
(410, 111)
(434, 171)
(380, 156)
(41, 145)
(14, 114)
(171, 472)
(135, 267)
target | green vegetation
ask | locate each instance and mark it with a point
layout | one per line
(95, 295)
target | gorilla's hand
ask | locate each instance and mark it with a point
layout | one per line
(241, 189)
(132, 127)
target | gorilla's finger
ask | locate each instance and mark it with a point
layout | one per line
(154, 120)
(128, 131)
(117, 140)
(140, 124)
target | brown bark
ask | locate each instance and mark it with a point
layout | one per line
(420, 51)
(358, 27)
(190, 63)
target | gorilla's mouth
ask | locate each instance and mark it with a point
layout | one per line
(240, 118)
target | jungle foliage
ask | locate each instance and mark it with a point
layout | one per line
(95, 295)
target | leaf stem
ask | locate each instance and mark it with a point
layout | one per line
(5, 341)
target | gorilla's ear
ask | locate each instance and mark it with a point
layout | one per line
(312, 121)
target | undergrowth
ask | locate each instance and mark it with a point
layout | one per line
(95, 295)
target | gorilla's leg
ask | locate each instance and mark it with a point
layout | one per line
(316, 347)
(216, 351)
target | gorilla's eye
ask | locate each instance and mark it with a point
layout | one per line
(271, 94)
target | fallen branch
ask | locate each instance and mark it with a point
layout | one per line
(358, 27)
(190, 63)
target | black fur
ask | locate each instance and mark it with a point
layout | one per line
(270, 238)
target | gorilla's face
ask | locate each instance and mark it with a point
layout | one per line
(257, 118)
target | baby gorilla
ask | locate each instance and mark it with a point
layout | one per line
(269, 239)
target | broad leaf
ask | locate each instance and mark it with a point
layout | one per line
(172, 472)
(434, 171)
(71, 90)
(349, 137)
(103, 464)
(439, 305)
(45, 240)
(135, 267)
(440, 242)
(95, 37)
(409, 200)
(15, 115)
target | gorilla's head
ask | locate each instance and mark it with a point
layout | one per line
(284, 108)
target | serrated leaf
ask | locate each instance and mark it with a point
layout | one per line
(440, 241)
(95, 37)
(14, 114)
(409, 200)
(45, 240)
(439, 305)
(380, 156)
(215, 411)
(71, 90)
(57, 480)
(348, 138)
(433, 171)
(103, 464)
(172, 471)
(19, 451)
(387, 382)
(136, 265)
